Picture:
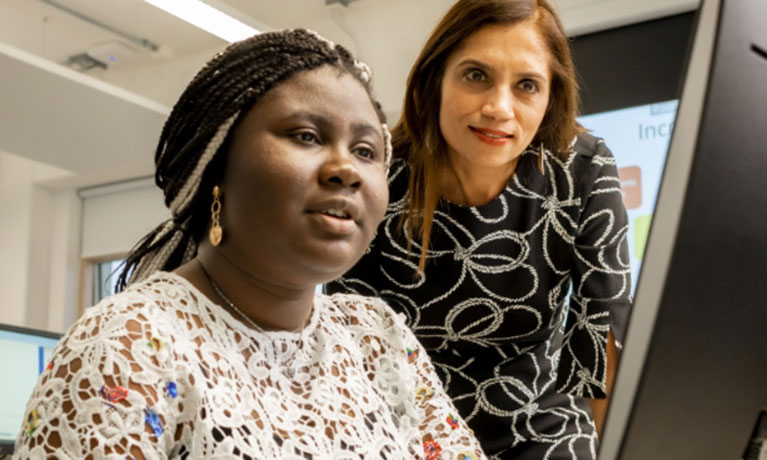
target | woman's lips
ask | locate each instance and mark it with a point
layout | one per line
(335, 215)
(491, 136)
(333, 224)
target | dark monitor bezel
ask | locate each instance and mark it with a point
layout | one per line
(648, 57)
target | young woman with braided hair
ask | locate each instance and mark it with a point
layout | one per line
(273, 164)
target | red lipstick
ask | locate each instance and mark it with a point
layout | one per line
(491, 136)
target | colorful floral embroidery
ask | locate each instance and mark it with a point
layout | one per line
(31, 424)
(423, 392)
(452, 421)
(153, 420)
(113, 395)
(155, 343)
(467, 456)
(412, 355)
(432, 449)
(171, 390)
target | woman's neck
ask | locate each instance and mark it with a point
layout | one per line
(471, 185)
(271, 306)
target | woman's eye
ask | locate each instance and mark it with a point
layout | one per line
(475, 75)
(365, 152)
(306, 137)
(529, 86)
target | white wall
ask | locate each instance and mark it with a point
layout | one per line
(116, 216)
(64, 301)
(40, 212)
(16, 210)
(39, 253)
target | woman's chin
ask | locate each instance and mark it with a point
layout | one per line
(331, 265)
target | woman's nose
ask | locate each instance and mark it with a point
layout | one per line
(339, 170)
(499, 104)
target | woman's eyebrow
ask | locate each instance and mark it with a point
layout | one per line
(533, 75)
(324, 123)
(473, 62)
(317, 119)
(362, 128)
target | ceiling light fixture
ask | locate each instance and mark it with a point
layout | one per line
(207, 18)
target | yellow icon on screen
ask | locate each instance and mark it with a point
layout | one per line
(641, 228)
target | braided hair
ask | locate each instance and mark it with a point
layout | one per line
(191, 153)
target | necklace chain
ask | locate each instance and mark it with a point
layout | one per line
(231, 304)
(288, 364)
(234, 307)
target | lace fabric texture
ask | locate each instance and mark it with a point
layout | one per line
(160, 371)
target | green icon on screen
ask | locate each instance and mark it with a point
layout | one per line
(641, 228)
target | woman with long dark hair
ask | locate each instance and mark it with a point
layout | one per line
(500, 205)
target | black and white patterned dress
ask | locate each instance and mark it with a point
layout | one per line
(490, 309)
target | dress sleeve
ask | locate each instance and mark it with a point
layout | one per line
(402, 370)
(601, 276)
(108, 392)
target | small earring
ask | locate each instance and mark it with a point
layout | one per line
(216, 232)
(540, 158)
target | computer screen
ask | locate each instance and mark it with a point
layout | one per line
(630, 78)
(24, 355)
(692, 379)
(638, 137)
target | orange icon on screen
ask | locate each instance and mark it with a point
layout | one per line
(631, 186)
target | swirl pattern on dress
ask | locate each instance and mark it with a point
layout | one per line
(490, 307)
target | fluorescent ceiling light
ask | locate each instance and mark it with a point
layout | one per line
(207, 18)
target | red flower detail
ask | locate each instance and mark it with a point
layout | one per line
(115, 394)
(432, 449)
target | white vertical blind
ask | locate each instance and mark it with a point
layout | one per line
(116, 216)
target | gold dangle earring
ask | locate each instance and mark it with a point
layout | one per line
(540, 158)
(216, 232)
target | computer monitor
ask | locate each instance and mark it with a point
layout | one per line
(24, 355)
(638, 138)
(692, 379)
(648, 57)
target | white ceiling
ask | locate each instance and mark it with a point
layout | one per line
(102, 125)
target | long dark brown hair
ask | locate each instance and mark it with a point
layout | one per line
(417, 137)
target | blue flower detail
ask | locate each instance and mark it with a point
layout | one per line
(153, 420)
(171, 389)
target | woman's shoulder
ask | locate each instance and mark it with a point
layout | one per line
(130, 332)
(119, 355)
(150, 308)
(590, 149)
(161, 294)
(589, 158)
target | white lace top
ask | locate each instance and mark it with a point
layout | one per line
(160, 371)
